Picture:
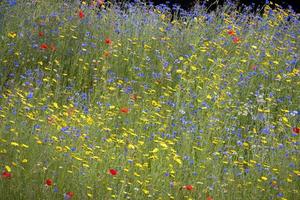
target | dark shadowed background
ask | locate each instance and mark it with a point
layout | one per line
(212, 4)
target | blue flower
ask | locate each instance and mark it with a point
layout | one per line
(30, 95)
(12, 2)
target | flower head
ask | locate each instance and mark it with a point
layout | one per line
(44, 46)
(49, 182)
(188, 187)
(236, 40)
(41, 34)
(124, 110)
(69, 195)
(6, 174)
(113, 172)
(209, 198)
(81, 14)
(296, 130)
(12, 2)
(231, 32)
(108, 41)
(12, 34)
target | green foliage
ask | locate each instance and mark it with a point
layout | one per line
(126, 104)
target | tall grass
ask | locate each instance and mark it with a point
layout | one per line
(126, 104)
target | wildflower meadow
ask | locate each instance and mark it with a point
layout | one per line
(103, 102)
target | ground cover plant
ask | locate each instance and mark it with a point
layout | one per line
(126, 104)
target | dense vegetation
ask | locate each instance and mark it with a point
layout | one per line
(126, 104)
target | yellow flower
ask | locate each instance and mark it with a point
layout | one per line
(264, 178)
(39, 142)
(136, 174)
(12, 35)
(145, 191)
(89, 195)
(24, 145)
(177, 159)
(8, 169)
(55, 105)
(89, 120)
(179, 71)
(14, 144)
(58, 148)
(193, 67)
(164, 145)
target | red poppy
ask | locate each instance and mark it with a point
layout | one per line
(188, 187)
(44, 46)
(236, 40)
(231, 32)
(124, 110)
(49, 182)
(41, 34)
(296, 130)
(209, 198)
(108, 41)
(69, 195)
(81, 14)
(6, 174)
(113, 172)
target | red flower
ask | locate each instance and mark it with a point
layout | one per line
(81, 14)
(124, 110)
(188, 187)
(41, 34)
(113, 172)
(296, 130)
(209, 198)
(44, 46)
(69, 195)
(49, 182)
(6, 174)
(231, 32)
(108, 41)
(236, 40)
